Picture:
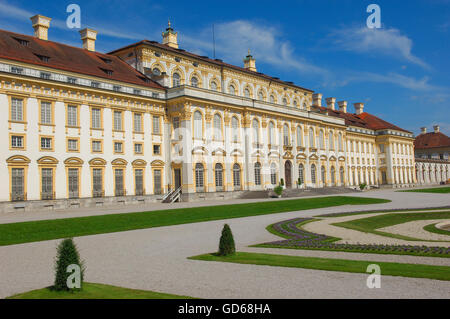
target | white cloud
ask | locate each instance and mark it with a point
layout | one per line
(381, 41)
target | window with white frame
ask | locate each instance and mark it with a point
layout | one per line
(46, 113)
(194, 81)
(198, 125)
(156, 128)
(313, 173)
(17, 141)
(118, 147)
(299, 136)
(321, 140)
(176, 81)
(217, 123)
(301, 174)
(311, 137)
(72, 115)
(231, 90)
(138, 148)
(137, 118)
(46, 143)
(235, 128)
(96, 146)
(117, 121)
(255, 126)
(218, 172)
(257, 173)
(199, 177)
(16, 109)
(331, 140)
(214, 86)
(271, 133)
(285, 135)
(247, 92)
(272, 99)
(260, 96)
(273, 174)
(96, 118)
(72, 144)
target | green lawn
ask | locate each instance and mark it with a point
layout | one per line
(433, 229)
(438, 190)
(371, 224)
(96, 291)
(23, 232)
(331, 264)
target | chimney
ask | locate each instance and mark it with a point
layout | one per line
(170, 37)
(359, 108)
(40, 26)
(331, 102)
(88, 36)
(436, 128)
(317, 99)
(250, 62)
(423, 130)
(342, 106)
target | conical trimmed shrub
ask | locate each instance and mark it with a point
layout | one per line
(67, 254)
(226, 244)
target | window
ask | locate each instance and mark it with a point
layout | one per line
(218, 173)
(217, 127)
(341, 175)
(321, 140)
(16, 70)
(257, 174)
(299, 136)
(97, 182)
(260, 96)
(46, 143)
(285, 135)
(156, 71)
(176, 128)
(139, 182)
(46, 113)
(199, 181)
(45, 76)
(194, 81)
(255, 126)
(235, 128)
(214, 86)
(156, 149)
(295, 103)
(118, 182)
(322, 171)
(236, 176)
(117, 121)
(96, 146)
(313, 173)
(247, 93)
(17, 184)
(272, 99)
(95, 84)
(176, 81)
(340, 142)
(273, 174)
(117, 88)
(72, 145)
(71, 80)
(301, 174)
(285, 102)
(381, 148)
(331, 141)
(72, 115)
(156, 129)
(198, 125)
(271, 133)
(96, 118)
(46, 183)
(73, 182)
(137, 148)
(332, 172)
(118, 147)
(16, 110)
(311, 137)
(17, 141)
(231, 90)
(157, 181)
(137, 122)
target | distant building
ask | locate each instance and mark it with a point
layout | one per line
(432, 152)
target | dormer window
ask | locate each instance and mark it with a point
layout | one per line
(107, 61)
(108, 72)
(43, 58)
(22, 41)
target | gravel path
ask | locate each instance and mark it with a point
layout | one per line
(415, 229)
(155, 259)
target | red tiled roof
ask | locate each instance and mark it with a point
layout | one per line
(68, 58)
(208, 60)
(378, 124)
(431, 140)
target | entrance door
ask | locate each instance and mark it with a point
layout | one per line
(287, 174)
(177, 176)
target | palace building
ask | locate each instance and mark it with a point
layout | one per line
(151, 121)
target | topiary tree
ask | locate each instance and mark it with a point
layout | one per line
(278, 190)
(67, 254)
(362, 186)
(226, 244)
(282, 182)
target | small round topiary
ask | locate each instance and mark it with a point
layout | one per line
(226, 244)
(67, 255)
(278, 190)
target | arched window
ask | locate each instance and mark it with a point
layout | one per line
(272, 99)
(285, 102)
(341, 175)
(285, 134)
(199, 177)
(260, 96)
(218, 173)
(331, 140)
(311, 137)
(235, 128)
(247, 92)
(313, 173)
(271, 133)
(176, 80)
(301, 174)
(295, 103)
(340, 142)
(257, 173)
(217, 127)
(156, 71)
(299, 136)
(322, 171)
(321, 140)
(304, 106)
(232, 90)
(273, 174)
(194, 81)
(255, 126)
(214, 86)
(198, 125)
(333, 172)
(236, 176)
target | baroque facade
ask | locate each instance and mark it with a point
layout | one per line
(150, 118)
(432, 157)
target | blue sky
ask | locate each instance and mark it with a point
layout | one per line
(400, 71)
